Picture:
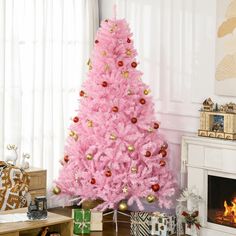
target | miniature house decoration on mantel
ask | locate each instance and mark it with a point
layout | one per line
(218, 122)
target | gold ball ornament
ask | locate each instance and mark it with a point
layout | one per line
(131, 148)
(90, 123)
(150, 129)
(123, 206)
(134, 169)
(56, 190)
(89, 157)
(128, 52)
(125, 74)
(150, 198)
(129, 92)
(113, 137)
(146, 91)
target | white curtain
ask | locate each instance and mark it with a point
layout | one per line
(44, 47)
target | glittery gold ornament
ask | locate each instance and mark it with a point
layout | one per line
(134, 169)
(106, 67)
(125, 189)
(150, 198)
(90, 123)
(89, 63)
(130, 148)
(89, 157)
(125, 74)
(146, 91)
(104, 53)
(150, 129)
(56, 190)
(123, 206)
(113, 137)
(73, 135)
(128, 52)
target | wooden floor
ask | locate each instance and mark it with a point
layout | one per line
(108, 227)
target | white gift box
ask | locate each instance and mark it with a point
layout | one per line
(96, 221)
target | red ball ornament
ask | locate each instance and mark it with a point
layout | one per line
(108, 173)
(163, 152)
(81, 93)
(148, 154)
(104, 84)
(115, 109)
(162, 163)
(155, 125)
(142, 101)
(96, 41)
(120, 63)
(155, 187)
(66, 158)
(164, 145)
(134, 64)
(76, 119)
(128, 40)
(134, 120)
(93, 181)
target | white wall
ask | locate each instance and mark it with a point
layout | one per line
(181, 73)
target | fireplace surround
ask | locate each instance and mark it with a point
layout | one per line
(209, 165)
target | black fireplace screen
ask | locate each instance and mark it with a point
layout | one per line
(221, 201)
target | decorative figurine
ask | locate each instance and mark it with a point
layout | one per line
(38, 211)
(11, 159)
(24, 163)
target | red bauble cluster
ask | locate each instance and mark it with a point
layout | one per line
(142, 101)
(156, 126)
(108, 173)
(104, 84)
(155, 187)
(162, 163)
(76, 119)
(128, 40)
(163, 152)
(93, 181)
(96, 41)
(134, 64)
(66, 158)
(82, 93)
(115, 109)
(120, 63)
(134, 120)
(148, 154)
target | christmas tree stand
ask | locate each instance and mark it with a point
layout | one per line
(115, 216)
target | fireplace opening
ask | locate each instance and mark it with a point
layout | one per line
(221, 207)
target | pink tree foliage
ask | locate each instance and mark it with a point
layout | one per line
(114, 151)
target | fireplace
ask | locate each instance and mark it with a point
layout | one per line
(221, 205)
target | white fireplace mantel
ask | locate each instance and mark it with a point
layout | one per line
(202, 157)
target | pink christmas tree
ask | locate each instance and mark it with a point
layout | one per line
(114, 151)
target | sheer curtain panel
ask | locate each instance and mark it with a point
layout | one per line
(44, 47)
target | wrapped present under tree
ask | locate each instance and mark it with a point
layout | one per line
(140, 222)
(82, 220)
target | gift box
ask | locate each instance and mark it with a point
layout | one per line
(82, 220)
(162, 224)
(140, 224)
(96, 221)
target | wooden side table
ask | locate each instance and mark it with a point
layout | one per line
(55, 222)
(38, 182)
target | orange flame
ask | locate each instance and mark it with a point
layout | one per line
(230, 210)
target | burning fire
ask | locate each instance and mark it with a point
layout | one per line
(230, 210)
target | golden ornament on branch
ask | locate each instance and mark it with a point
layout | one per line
(125, 189)
(146, 91)
(131, 148)
(90, 123)
(123, 206)
(134, 169)
(150, 198)
(113, 137)
(89, 157)
(56, 190)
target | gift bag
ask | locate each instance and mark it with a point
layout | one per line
(14, 187)
(140, 223)
(82, 220)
